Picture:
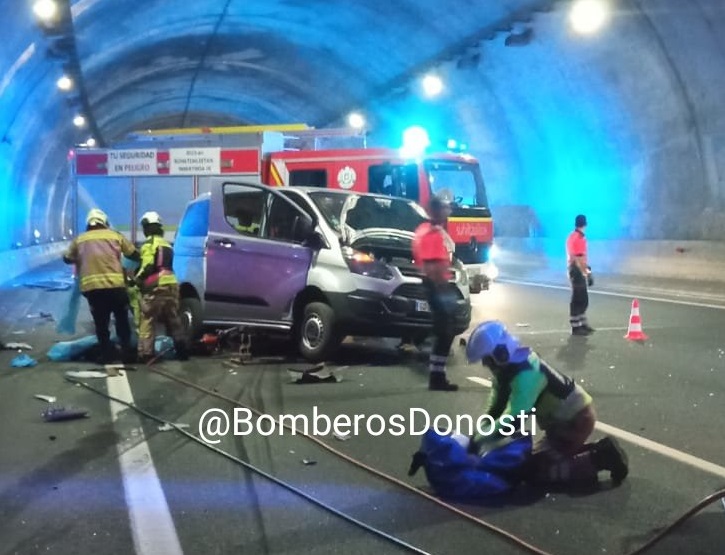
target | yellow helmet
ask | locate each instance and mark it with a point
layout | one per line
(97, 217)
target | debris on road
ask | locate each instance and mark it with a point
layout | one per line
(86, 374)
(314, 374)
(308, 462)
(523, 325)
(612, 367)
(16, 346)
(169, 427)
(58, 414)
(23, 361)
(46, 398)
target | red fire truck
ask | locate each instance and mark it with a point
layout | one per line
(169, 167)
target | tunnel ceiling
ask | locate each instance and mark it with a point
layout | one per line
(626, 123)
(264, 61)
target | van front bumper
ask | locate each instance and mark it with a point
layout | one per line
(406, 312)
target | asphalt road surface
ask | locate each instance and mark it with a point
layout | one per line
(114, 483)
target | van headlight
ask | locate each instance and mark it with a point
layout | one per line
(365, 264)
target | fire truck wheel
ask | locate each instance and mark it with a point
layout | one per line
(191, 317)
(317, 338)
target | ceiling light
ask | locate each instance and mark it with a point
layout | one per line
(65, 83)
(432, 85)
(588, 16)
(46, 10)
(79, 121)
(356, 120)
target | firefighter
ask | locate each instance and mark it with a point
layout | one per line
(563, 409)
(159, 290)
(97, 256)
(433, 251)
(580, 277)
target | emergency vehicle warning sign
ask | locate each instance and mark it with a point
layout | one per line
(132, 162)
(195, 161)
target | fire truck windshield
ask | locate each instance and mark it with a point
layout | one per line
(462, 182)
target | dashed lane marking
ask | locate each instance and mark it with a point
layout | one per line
(151, 523)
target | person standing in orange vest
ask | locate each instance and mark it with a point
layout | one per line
(580, 277)
(433, 253)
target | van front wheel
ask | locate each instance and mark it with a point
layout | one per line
(317, 339)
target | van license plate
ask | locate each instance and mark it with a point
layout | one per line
(422, 306)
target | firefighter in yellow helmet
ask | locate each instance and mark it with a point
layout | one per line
(97, 256)
(159, 290)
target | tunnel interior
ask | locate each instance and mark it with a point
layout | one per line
(624, 124)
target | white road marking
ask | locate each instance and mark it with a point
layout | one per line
(151, 523)
(615, 294)
(644, 443)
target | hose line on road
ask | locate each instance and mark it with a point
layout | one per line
(512, 538)
(259, 471)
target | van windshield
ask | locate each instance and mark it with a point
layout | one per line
(369, 211)
(461, 182)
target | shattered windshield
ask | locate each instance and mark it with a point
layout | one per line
(365, 212)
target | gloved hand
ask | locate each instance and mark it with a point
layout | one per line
(590, 279)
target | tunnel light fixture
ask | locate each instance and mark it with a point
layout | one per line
(588, 16)
(91, 142)
(356, 120)
(45, 10)
(65, 83)
(432, 85)
(79, 121)
(36, 234)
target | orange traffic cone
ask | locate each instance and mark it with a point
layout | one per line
(634, 331)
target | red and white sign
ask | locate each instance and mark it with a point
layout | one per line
(195, 161)
(132, 162)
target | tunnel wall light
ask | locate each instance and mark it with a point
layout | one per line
(588, 16)
(79, 121)
(91, 142)
(432, 85)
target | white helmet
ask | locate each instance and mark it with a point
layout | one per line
(492, 339)
(150, 218)
(97, 216)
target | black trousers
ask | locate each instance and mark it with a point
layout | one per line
(442, 301)
(579, 297)
(103, 303)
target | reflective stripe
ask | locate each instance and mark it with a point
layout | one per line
(98, 253)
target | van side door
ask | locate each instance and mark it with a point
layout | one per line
(257, 260)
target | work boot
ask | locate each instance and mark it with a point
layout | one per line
(182, 353)
(607, 454)
(439, 382)
(580, 330)
(589, 328)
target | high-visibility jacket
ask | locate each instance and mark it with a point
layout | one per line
(157, 260)
(97, 254)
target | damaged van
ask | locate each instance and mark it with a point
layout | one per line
(315, 263)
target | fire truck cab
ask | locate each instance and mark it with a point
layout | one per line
(296, 155)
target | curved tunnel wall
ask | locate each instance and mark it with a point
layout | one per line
(626, 125)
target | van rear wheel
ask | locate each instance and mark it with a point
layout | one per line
(317, 339)
(191, 317)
